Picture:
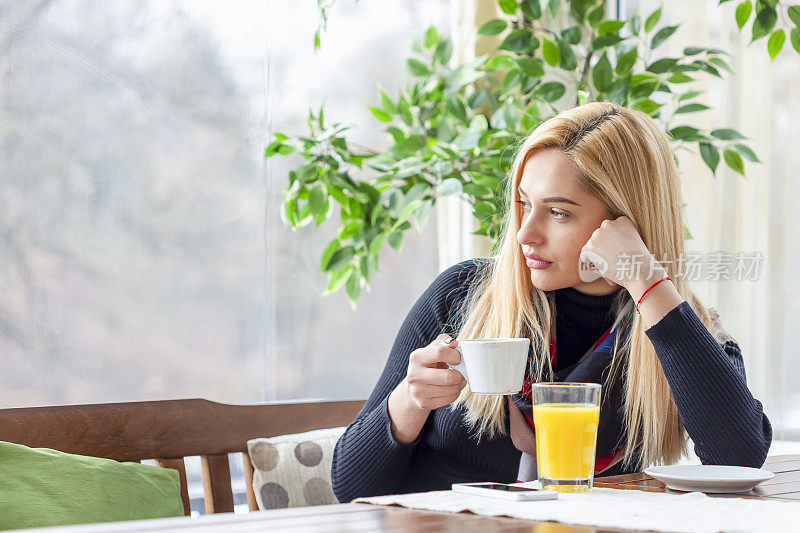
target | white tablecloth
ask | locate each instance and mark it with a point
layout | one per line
(692, 512)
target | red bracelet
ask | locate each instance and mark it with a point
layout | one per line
(648, 290)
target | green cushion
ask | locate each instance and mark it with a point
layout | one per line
(42, 487)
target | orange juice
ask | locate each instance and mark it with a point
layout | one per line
(566, 436)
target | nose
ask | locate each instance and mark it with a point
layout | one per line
(530, 230)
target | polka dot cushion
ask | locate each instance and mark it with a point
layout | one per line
(294, 470)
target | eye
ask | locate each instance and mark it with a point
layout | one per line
(558, 215)
(524, 204)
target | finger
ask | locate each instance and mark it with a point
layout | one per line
(422, 390)
(432, 394)
(432, 355)
(444, 339)
(442, 377)
(440, 401)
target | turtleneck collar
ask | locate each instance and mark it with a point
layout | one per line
(585, 310)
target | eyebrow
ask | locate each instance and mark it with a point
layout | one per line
(553, 199)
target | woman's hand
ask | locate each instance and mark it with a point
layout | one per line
(618, 253)
(622, 258)
(428, 385)
(431, 383)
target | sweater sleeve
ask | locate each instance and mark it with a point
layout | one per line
(728, 426)
(367, 460)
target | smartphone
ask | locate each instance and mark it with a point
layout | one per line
(505, 492)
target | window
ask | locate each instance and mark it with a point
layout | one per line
(142, 254)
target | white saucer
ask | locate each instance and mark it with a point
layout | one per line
(709, 478)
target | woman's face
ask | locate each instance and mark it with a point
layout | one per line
(557, 218)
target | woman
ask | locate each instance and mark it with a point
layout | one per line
(597, 182)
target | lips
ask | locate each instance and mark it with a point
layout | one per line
(536, 257)
(536, 261)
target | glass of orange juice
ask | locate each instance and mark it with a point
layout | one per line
(565, 417)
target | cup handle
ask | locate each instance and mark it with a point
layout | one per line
(460, 367)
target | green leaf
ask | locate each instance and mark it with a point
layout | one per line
(532, 9)
(572, 34)
(721, 63)
(350, 229)
(619, 90)
(691, 108)
(387, 103)
(693, 50)
(326, 255)
(493, 27)
(610, 26)
(512, 80)
(417, 67)
(531, 66)
(464, 75)
(353, 288)
(775, 43)
(340, 258)
(550, 52)
(509, 7)
(336, 279)
(432, 38)
(766, 17)
(794, 36)
(550, 91)
(568, 60)
(456, 108)
(601, 75)
(626, 61)
(710, 155)
(727, 134)
(748, 154)
(679, 77)
(500, 62)
(688, 95)
(662, 65)
(405, 112)
(596, 14)
(605, 40)
(794, 14)
(662, 35)
(376, 244)
(484, 210)
(449, 187)
(519, 41)
(743, 11)
(685, 133)
(380, 114)
(395, 240)
(443, 51)
(422, 213)
(733, 160)
(652, 20)
(317, 199)
(646, 106)
(531, 117)
(277, 147)
(636, 24)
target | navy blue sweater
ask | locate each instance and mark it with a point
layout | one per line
(727, 425)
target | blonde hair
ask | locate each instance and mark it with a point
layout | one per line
(625, 161)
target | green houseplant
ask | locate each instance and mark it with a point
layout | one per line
(453, 128)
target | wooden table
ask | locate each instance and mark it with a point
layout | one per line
(363, 517)
(784, 486)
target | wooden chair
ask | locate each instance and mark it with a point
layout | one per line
(169, 430)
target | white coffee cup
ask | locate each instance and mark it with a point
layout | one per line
(493, 366)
